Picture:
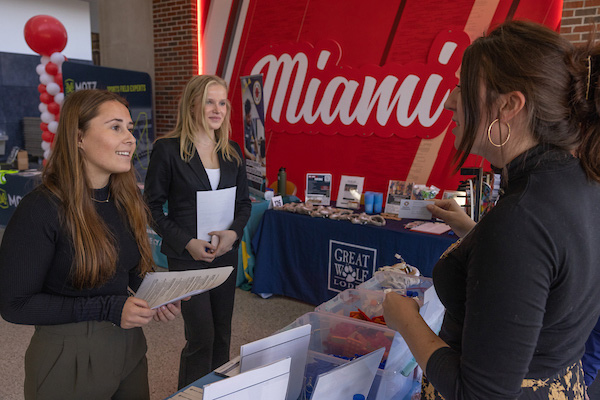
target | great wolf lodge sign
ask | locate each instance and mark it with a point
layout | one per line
(353, 87)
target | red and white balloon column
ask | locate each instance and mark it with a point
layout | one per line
(48, 37)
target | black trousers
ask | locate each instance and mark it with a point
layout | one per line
(86, 360)
(207, 321)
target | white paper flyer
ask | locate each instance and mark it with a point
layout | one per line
(160, 288)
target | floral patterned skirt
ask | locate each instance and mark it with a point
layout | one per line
(566, 385)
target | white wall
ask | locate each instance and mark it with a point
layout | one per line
(73, 14)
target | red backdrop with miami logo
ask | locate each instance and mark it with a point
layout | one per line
(356, 87)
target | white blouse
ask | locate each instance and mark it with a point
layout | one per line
(214, 176)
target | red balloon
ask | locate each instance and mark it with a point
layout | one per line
(45, 34)
(47, 136)
(44, 162)
(42, 88)
(44, 126)
(46, 98)
(51, 68)
(58, 79)
(53, 108)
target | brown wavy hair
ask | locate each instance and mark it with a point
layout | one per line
(562, 102)
(187, 125)
(95, 254)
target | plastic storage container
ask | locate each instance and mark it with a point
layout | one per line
(370, 302)
(336, 339)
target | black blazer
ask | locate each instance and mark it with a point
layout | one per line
(171, 179)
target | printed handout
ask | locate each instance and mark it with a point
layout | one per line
(160, 288)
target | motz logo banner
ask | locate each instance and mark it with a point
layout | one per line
(349, 265)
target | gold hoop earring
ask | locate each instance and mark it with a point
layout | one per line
(490, 134)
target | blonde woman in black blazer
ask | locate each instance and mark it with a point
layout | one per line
(198, 156)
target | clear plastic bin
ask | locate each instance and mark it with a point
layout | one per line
(386, 385)
(389, 385)
(345, 338)
(370, 302)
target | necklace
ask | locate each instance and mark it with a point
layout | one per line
(207, 141)
(206, 144)
(102, 201)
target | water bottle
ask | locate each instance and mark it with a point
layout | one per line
(281, 179)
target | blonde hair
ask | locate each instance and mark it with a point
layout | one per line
(194, 93)
(95, 253)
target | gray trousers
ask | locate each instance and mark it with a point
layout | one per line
(87, 360)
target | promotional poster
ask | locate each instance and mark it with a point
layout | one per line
(255, 143)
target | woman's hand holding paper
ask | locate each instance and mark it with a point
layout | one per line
(451, 213)
(168, 312)
(136, 313)
(225, 241)
(201, 250)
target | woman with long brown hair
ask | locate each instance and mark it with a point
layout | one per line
(69, 253)
(199, 156)
(520, 288)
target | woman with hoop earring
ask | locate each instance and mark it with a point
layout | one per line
(520, 289)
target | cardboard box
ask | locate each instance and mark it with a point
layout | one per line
(22, 160)
(3, 140)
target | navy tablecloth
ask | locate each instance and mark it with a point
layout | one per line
(313, 259)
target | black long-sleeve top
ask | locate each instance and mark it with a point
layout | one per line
(521, 289)
(35, 264)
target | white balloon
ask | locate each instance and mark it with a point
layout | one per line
(45, 145)
(40, 69)
(58, 99)
(43, 107)
(46, 153)
(45, 60)
(53, 126)
(46, 78)
(47, 117)
(57, 58)
(52, 88)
